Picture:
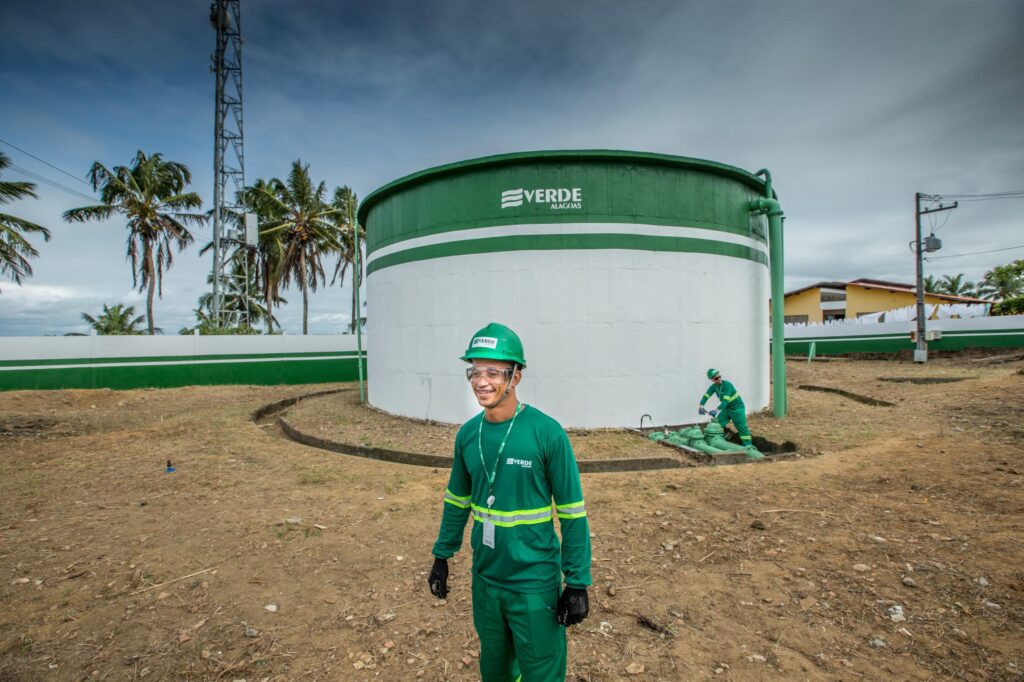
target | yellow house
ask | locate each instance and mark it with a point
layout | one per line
(839, 300)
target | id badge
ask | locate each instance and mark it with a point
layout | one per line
(489, 534)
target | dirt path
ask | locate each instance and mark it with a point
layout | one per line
(781, 571)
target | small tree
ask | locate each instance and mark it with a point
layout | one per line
(116, 320)
(1009, 306)
(955, 285)
(1003, 282)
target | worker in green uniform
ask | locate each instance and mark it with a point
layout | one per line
(730, 405)
(511, 461)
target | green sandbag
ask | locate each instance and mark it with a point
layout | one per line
(691, 433)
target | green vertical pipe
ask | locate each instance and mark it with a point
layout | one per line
(770, 206)
(359, 315)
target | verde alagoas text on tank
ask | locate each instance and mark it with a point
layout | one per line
(630, 272)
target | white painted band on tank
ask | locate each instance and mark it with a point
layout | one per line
(531, 229)
(609, 334)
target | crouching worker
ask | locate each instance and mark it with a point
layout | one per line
(510, 461)
(730, 406)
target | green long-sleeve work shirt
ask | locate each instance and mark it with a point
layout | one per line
(536, 467)
(728, 397)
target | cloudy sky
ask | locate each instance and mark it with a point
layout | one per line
(854, 105)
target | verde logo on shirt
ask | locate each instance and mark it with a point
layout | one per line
(524, 463)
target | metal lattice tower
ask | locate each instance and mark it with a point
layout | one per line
(228, 170)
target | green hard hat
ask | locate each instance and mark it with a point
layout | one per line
(495, 342)
(712, 373)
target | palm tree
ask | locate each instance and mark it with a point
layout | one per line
(116, 320)
(347, 203)
(260, 200)
(302, 232)
(931, 285)
(151, 196)
(236, 299)
(15, 250)
(1002, 282)
(954, 285)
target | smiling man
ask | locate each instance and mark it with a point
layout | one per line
(511, 462)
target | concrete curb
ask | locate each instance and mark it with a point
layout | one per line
(586, 466)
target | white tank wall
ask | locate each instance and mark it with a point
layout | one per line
(609, 335)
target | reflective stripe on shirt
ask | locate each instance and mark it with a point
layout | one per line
(511, 518)
(453, 499)
(573, 510)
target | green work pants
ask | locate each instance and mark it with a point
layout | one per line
(520, 640)
(739, 420)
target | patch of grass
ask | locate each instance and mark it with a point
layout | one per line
(318, 475)
(395, 485)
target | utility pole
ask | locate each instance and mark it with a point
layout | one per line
(932, 243)
(225, 18)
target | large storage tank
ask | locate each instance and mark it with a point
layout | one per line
(625, 274)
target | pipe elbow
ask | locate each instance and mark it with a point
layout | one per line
(768, 192)
(766, 205)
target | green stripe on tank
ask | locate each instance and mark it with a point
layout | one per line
(609, 186)
(568, 242)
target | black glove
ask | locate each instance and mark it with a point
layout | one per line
(438, 579)
(573, 606)
(701, 410)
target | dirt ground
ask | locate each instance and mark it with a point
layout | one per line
(114, 569)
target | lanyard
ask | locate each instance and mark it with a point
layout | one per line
(501, 448)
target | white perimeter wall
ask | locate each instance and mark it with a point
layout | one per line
(609, 334)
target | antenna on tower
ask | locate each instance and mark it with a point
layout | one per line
(229, 220)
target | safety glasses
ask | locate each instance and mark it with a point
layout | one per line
(491, 374)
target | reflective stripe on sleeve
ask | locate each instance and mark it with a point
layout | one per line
(573, 510)
(706, 396)
(730, 398)
(453, 499)
(518, 517)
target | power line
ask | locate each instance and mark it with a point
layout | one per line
(46, 162)
(52, 183)
(975, 253)
(1012, 192)
(995, 196)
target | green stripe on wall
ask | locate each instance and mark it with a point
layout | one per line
(171, 375)
(950, 341)
(568, 242)
(904, 335)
